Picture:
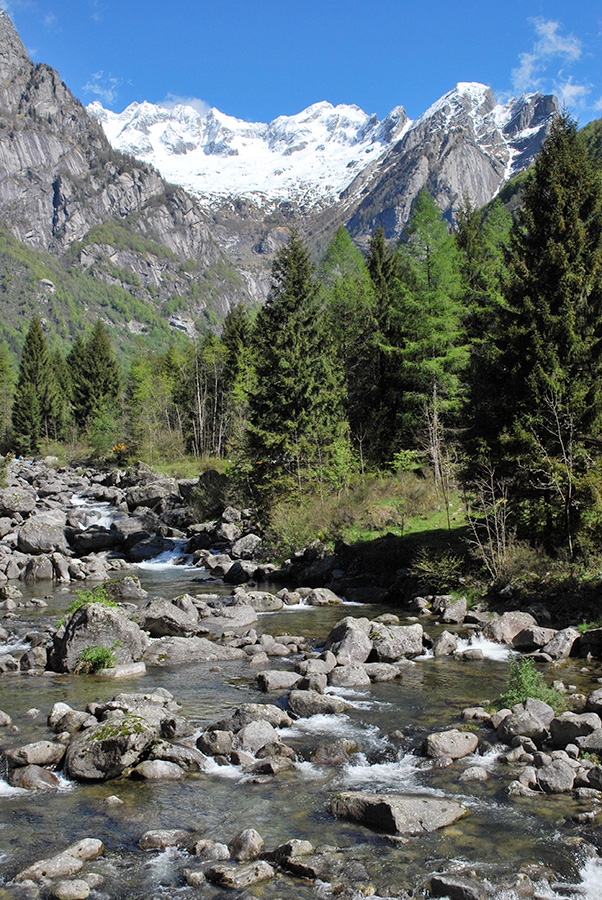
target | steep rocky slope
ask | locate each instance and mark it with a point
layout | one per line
(61, 185)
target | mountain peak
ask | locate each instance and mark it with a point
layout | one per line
(13, 55)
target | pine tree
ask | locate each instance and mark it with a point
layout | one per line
(239, 375)
(351, 308)
(297, 433)
(95, 376)
(548, 366)
(30, 406)
(7, 387)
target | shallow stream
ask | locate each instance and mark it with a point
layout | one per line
(500, 837)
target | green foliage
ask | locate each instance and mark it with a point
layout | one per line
(97, 594)
(31, 401)
(95, 658)
(525, 681)
(437, 572)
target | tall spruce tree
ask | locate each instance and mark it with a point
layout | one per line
(95, 376)
(544, 427)
(297, 433)
(30, 405)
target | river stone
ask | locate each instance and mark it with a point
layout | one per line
(335, 753)
(158, 770)
(16, 500)
(505, 629)
(453, 611)
(245, 547)
(533, 637)
(171, 651)
(40, 753)
(382, 671)
(474, 773)
(161, 618)
(277, 680)
(452, 744)
(240, 877)
(160, 839)
(528, 719)
(40, 568)
(206, 849)
(72, 889)
(290, 850)
(255, 712)
(63, 864)
(225, 618)
(564, 729)
(310, 703)
(253, 736)
(322, 597)
(152, 493)
(594, 701)
(34, 778)
(247, 845)
(445, 644)
(187, 758)
(128, 670)
(349, 676)
(240, 572)
(397, 813)
(457, 888)
(104, 751)
(349, 640)
(35, 658)
(556, 778)
(395, 642)
(5, 719)
(561, 645)
(92, 625)
(94, 539)
(215, 743)
(37, 537)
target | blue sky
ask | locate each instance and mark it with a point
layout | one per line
(263, 58)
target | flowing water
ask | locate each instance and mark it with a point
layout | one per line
(500, 837)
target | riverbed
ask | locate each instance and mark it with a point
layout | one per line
(499, 839)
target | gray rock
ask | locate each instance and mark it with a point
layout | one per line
(533, 637)
(474, 774)
(452, 744)
(158, 770)
(16, 500)
(594, 701)
(246, 845)
(322, 597)
(41, 568)
(457, 888)
(445, 644)
(335, 753)
(240, 877)
(397, 813)
(349, 676)
(63, 864)
(395, 642)
(164, 619)
(70, 889)
(262, 601)
(453, 611)
(207, 849)
(215, 743)
(529, 719)
(310, 703)
(382, 671)
(33, 659)
(40, 753)
(187, 758)
(505, 629)
(104, 751)
(561, 645)
(246, 546)
(92, 625)
(240, 572)
(37, 537)
(556, 778)
(564, 729)
(171, 651)
(161, 839)
(254, 736)
(277, 680)
(349, 641)
(255, 712)
(34, 778)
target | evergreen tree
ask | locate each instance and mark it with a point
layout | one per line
(60, 390)
(239, 375)
(95, 375)
(297, 433)
(30, 406)
(547, 369)
(351, 308)
(7, 387)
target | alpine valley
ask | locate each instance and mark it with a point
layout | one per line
(159, 220)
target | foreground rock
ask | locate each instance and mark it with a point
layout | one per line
(96, 624)
(397, 813)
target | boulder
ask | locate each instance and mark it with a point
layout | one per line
(215, 743)
(240, 572)
(40, 753)
(452, 611)
(310, 703)
(151, 493)
(246, 845)
(529, 719)
(277, 680)
(561, 645)
(393, 642)
(162, 838)
(104, 751)
(161, 618)
(158, 770)
(96, 624)
(349, 641)
(589, 644)
(349, 676)
(34, 778)
(255, 712)
(240, 877)
(335, 753)
(533, 638)
(254, 736)
(94, 539)
(397, 813)
(14, 500)
(262, 601)
(505, 629)
(63, 864)
(245, 547)
(452, 744)
(457, 888)
(566, 728)
(173, 651)
(322, 597)
(556, 778)
(36, 536)
(70, 889)
(445, 644)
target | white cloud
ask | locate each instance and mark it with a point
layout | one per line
(103, 87)
(571, 94)
(98, 9)
(175, 100)
(550, 46)
(598, 104)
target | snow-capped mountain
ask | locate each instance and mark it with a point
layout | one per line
(310, 158)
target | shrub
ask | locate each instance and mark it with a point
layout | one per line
(95, 658)
(437, 572)
(97, 594)
(525, 681)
